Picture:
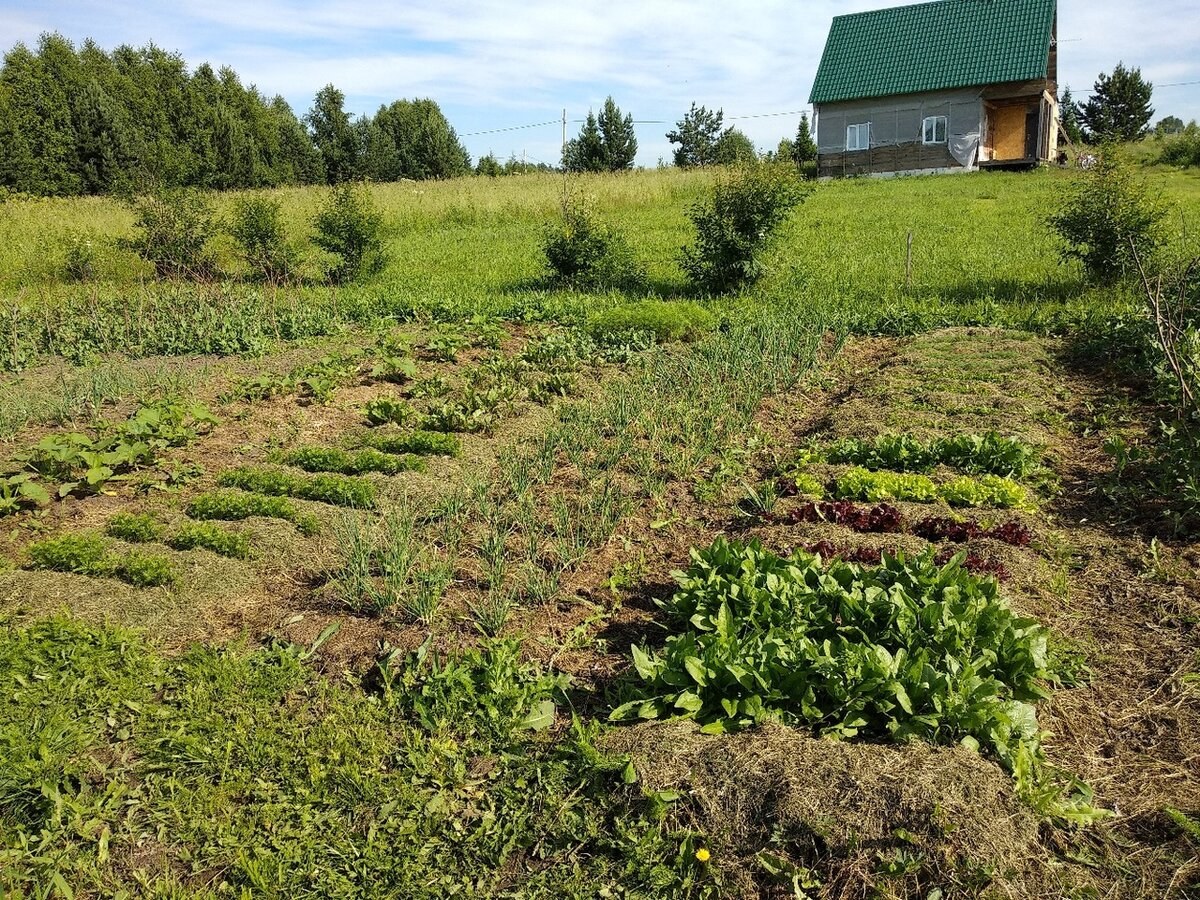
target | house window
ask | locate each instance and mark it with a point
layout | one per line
(858, 137)
(934, 130)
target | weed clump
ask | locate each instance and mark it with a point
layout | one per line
(665, 320)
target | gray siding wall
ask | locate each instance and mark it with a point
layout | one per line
(897, 120)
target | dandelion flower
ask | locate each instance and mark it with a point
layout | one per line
(703, 855)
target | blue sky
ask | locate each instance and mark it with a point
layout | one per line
(494, 65)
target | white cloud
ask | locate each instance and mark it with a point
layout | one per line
(493, 64)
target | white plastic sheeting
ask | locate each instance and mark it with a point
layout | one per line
(964, 148)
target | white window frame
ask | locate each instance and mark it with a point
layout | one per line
(862, 136)
(930, 127)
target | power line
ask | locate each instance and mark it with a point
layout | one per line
(511, 128)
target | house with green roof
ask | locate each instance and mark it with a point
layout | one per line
(950, 85)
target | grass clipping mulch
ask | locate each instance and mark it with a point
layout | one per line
(870, 820)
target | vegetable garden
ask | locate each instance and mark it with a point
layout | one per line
(458, 581)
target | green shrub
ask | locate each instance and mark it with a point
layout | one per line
(735, 224)
(257, 229)
(349, 226)
(232, 506)
(174, 228)
(422, 443)
(667, 320)
(1106, 214)
(136, 528)
(1183, 149)
(339, 490)
(908, 650)
(331, 459)
(584, 252)
(82, 255)
(208, 536)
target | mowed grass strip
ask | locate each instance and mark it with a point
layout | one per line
(337, 490)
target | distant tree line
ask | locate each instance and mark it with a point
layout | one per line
(86, 121)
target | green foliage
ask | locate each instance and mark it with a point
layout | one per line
(1106, 215)
(333, 135)
(1119, 108)
(666, 320)
(987, 490)
(421, 443)
(349, 226)
(136, 528)
(145, 569)
(81, 463)
(1183, 149)
(804, 148)
(257, 229)
(85, 554)
(83, 255)
(605, 144)
(585, 252)
(210, 536)
(1068, 116)
(987, 453)
(734, 148)
(331, 459)
(20, 491)
(418, 142)
(234, 506)
(734, 225)
(339, 490)
(909, 650)
(448, 763)
(85, 121)
(387, 411)
(173, 231)
(696, 134)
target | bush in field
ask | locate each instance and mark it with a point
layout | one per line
(1184, 149)
(665, 320)
(350, 227)
(583, 251)
(734, 225)
(257, 228)
(82, 255)
(1105, 215)
(173, 231)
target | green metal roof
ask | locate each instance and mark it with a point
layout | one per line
(934, 46)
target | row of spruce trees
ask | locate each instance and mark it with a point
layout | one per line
(86, 121)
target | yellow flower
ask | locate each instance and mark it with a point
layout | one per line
(703, 855)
